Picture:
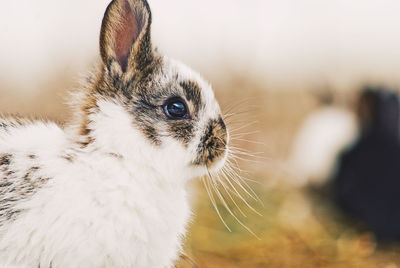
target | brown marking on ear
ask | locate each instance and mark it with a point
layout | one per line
(125, 33)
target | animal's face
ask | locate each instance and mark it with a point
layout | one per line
(175, 120)
(176, 108)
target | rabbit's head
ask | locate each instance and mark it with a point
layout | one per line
(379, 112)
(146, 106)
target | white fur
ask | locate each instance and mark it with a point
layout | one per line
(101, 210)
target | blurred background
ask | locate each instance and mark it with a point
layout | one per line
(312, 86)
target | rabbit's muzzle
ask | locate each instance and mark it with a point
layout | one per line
(213, 144)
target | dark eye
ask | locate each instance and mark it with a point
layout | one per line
(175, 108)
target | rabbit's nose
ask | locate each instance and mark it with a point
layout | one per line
(213, 143)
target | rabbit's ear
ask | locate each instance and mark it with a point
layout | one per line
(125, 34)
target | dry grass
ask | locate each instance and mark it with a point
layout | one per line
(294, 231)
(298, 228)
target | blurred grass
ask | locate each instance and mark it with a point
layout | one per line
(296, 230)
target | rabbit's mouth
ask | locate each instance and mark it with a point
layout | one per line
(212, 150)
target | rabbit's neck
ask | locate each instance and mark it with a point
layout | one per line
(148, 206)
(111, 131)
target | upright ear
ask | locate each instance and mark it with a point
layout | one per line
(125, 34)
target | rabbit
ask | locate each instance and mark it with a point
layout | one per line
(322, 135)
(108, 189)
(367, 183)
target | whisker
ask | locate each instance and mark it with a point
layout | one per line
(237, 114)
(235, 171)
(227, 207)
(238, 107)
(237, 177)
(228, 190)
(231, 121)
(243, 134)
(246, 155)
(242, 151)
(243, 126)
(249, 141)
(211, 196)
(240, 196)
(247, 160)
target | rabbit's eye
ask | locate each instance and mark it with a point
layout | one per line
(175, 108)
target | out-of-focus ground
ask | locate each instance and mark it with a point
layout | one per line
(298, 227)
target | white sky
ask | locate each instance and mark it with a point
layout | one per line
(284, 42)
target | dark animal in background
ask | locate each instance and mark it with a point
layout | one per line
(367, 183)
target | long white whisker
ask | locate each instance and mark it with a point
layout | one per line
(210, 194)
(232, 175)
(239, 180)
(236, 175)
(243, 134)
(245, 140)
(247, 160)
(238, 149)
(221, 198)
(243, 126)
(225, 176)
(238, 107)
(228, 190)
(256, 154)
